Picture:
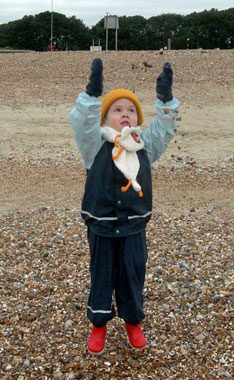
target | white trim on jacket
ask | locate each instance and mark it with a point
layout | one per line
(115, 217)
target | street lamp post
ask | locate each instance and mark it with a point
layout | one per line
(51, 42)
(107, 14)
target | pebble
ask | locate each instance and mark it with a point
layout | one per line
(107, 364)
(199, 317)
(200, 337)
(58, 373)
(26, 363)
(29, 317)
(171, 315)
(68, 325)
(229, 158)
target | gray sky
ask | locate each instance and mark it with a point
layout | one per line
(91, 11)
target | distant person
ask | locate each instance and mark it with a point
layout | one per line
(117, 202)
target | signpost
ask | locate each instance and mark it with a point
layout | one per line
(111, 22)
(169, 43)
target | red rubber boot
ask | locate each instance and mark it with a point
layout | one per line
(135, 336)
(97, 338)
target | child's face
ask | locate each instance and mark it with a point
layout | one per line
(122, 113)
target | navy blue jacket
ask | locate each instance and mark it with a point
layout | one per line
(107, 210)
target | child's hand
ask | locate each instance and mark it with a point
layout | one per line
(95, 85)
(164, 84)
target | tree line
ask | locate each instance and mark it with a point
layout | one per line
(207, 30)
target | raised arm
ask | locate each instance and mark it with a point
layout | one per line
(162, 128)
(85, 116)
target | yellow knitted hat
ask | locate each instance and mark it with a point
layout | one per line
(120, 93)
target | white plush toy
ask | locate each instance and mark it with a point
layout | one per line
(127, 143)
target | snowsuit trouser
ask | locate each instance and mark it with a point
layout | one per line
(116, 264)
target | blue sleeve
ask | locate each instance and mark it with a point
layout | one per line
(85, 122)
(161, 130)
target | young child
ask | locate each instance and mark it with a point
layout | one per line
(117, 202)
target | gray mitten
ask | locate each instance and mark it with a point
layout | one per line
(164, 84)
(95, 85)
